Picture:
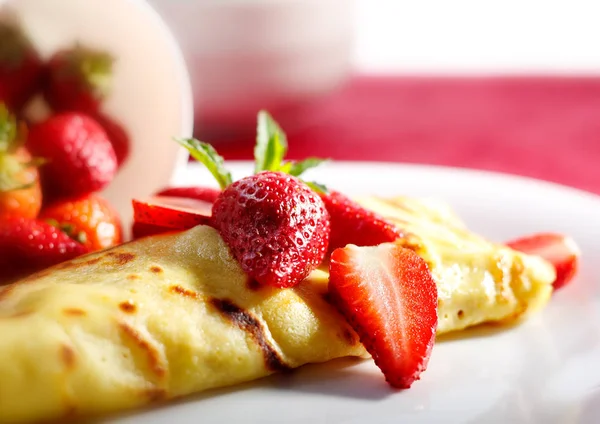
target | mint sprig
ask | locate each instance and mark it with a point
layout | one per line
(317, 187)
(271, 144)
(208, 156)
(298, 168)
(269, 153)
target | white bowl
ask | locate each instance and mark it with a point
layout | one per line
(151, 95)
(244, 55)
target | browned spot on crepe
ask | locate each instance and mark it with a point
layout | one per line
(155, 394)
(156, 269)
(252, 284)
(133, 277)
(128, 307)
(75, 263)
(93, 261)
(67, 355)
(250, 324)
(121, 258)
(349, 337)
(74, 312)
(184, 292)
(152, 355)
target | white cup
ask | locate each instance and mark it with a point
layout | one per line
(151, 94)
(246, 55)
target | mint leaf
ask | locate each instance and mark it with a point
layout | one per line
(271, 144)
(208, 156)
(319, 188)
(286, 167)
(297, 168)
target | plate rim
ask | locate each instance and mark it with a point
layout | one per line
(437, 168)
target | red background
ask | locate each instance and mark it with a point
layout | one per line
(547, 128)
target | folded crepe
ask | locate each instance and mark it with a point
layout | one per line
(170, 315)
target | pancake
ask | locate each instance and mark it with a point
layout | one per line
(171, 315)
(478, 281)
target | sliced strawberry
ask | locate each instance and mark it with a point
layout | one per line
(208, 194)
(561, 251)
(353, 224)
(172, 212)
(141, 229)
(388, 295)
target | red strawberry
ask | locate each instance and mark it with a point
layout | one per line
(90, 219)
(79, 79)
(353, 224)
(141, 229)
(389, 297)
(21, 69)
(275, 226)
(174, 213)
(28, 245)
(208, 194)
(117, 136)
(80, 157)
(559, 250)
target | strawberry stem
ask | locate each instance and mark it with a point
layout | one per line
(13, 45)
(92, 68)
(69, 229)
(8, 129)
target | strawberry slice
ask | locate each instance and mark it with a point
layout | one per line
(172, 212)
(353, 224)
(208, 194)
(388, 296)
(560, 250)
(141, 229)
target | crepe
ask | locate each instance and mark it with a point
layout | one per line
(478, 281)
(170, 315)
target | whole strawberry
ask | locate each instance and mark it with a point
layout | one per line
(90, 219)
(79, 79)
(29, 245)
(21, 70)
(80, 157)
(275, 226)
(20, 192)
(117, 136)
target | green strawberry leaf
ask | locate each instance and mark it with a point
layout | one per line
(286, 167)
(8, 129)
(317, 187)
(298, 168)
(208, 156)
(271, 144)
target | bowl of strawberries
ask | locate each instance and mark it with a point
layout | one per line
(91, 94)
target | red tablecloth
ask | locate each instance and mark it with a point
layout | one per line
(547, 128)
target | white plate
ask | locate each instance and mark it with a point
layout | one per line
(544, 371)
